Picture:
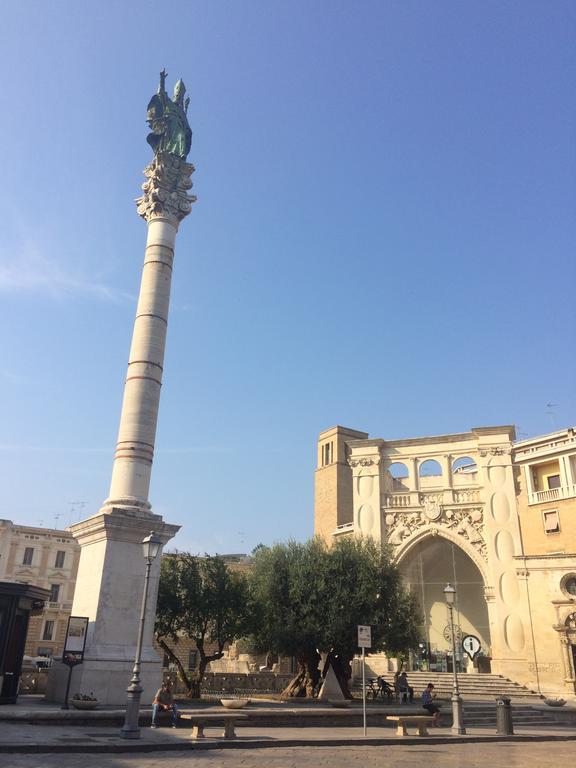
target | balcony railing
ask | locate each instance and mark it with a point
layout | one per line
(552, 494)
(343, 528)
(412, 499)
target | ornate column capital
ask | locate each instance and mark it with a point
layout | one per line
(166, 188)
(364, 461)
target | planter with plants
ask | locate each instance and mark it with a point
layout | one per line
(84, 701)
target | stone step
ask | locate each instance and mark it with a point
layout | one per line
(471, 686)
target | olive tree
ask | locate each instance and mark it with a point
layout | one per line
(202, 599)
(309, 599)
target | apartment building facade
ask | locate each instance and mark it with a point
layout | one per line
(43, 557)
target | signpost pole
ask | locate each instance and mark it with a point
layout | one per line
(364, 688)
(364, 641)
(65, 705)
(74, 645)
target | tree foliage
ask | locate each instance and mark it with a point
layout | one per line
(202, 599)
(311, 598)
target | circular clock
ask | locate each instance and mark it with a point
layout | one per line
(448, 633)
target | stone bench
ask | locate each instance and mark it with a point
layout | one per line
(200, 721)
(420, 721)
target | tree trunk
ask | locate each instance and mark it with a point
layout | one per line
(202, 664)
(175, 660)
(305, 682)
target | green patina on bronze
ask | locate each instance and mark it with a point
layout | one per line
(168, 122)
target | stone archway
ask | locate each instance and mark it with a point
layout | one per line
(427, 564)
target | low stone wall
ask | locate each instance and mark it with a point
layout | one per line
(258, 682)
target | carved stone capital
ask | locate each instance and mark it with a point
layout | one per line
(495, 450)
(364, 461)
(166, 188)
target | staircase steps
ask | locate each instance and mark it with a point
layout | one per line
(485, 716)
(477, 687)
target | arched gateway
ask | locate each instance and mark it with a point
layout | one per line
(447, 508)
(428, 563)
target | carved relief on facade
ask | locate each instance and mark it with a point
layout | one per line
(432, 506)
(364, 461)
(496, 450)
(466, 523)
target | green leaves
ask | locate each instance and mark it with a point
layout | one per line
(200, 598)
(297, 599)
(308, 596)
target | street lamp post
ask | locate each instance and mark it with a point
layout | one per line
(457, 718)
(131, 729)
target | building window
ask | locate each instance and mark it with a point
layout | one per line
(60, 556)
(568, 585)
(54, 593)
(553, 481)
(28, 555)
(327, 454)
(48, 630)
(551, 521)
(192, 660)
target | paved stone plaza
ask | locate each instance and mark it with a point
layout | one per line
(540, 755)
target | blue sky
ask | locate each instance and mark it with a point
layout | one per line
(384, 238)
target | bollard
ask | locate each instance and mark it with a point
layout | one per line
(504, 725)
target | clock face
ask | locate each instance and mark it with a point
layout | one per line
(448, 633)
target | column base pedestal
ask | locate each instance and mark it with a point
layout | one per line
(106, 680)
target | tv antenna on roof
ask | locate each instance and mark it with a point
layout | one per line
(76, 507)
(551, 414)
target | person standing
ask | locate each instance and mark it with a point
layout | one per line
(163, 700)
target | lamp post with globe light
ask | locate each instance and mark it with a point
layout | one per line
(131, 730)
(457, 717)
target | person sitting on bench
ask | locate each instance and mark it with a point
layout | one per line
(163, 700)
(428, 704)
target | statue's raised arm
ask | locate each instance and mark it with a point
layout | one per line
(170, 131)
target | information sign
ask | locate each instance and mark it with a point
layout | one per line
(75, 639)
(364, 637)
(471, 646)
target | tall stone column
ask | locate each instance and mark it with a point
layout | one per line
(164, 204)
(112, 566)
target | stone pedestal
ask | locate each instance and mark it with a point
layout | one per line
(109, 592)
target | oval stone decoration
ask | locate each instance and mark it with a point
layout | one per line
(500, 507)
(504, 546)
(497, 476)
(366, 518)
(514, 633)
(365, 486)
(509, 589)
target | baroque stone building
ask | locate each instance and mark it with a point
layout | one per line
(493, 516)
